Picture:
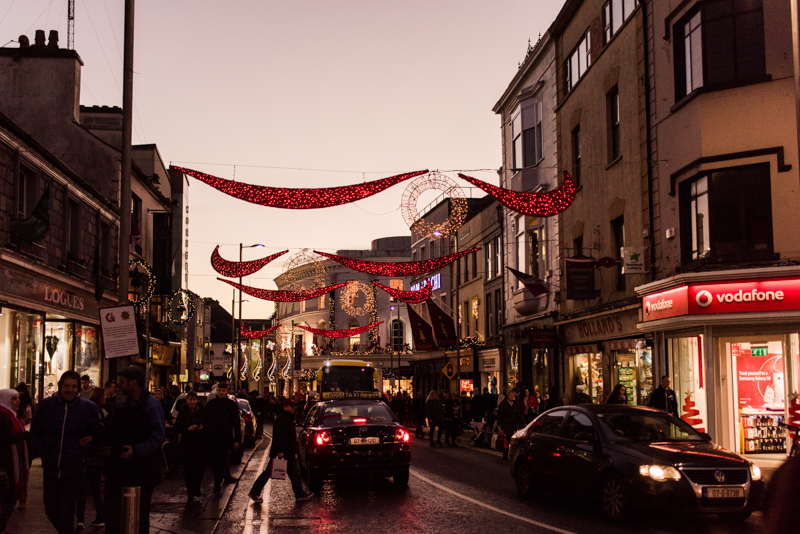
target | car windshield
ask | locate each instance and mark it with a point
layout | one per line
(647, 427)
(343, 415)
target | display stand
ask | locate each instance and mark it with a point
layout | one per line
(761, 433)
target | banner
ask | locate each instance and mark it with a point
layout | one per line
(421, 332)
(443, 326)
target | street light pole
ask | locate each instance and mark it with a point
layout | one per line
(238, 331)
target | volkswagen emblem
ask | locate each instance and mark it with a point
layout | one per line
(719, 476)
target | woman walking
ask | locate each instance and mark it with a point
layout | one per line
(13, 454)
(189, 425)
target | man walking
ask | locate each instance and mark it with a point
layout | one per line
(86, 387)
(61, 430)
(224, 431)
(135, 434)
(663, 398)
(284, 447)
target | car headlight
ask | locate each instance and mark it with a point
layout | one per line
(755, 472)
(660, 472)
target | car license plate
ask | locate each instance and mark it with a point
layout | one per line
(724, 493)
(365, 441)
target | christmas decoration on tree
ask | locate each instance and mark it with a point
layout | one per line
(449, 188)
(691, 414)
(339, 333)
(296, 275)
(411, 297)
(151, 282)
(282, 296)
(391, 268)
(298, 198)
(332, 310)
(349, 298)
(184, 314)
(536, 204)
(238, 269)
(257, 334)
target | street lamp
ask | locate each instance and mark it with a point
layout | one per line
(391, 344)
(235, 336)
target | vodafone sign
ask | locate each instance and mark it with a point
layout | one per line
(724, 297)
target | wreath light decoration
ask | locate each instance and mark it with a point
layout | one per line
(449, 188)
(151, 282)
(350, 294)
(297, 279)
(181, 320)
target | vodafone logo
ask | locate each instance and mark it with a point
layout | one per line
(647, 308)
(704, 298)
(663, 304)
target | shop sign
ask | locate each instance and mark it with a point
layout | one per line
(488, 364)
(29, 287)
(606, 327)
(435, 282)
(540, 338)
(580, 278)
(632, 260)
(120, 337)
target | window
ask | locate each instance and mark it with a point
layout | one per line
(722, 42)
(727, 214)
(488, 255)
(105, 249)
(26, 192)
(474, 312)
(397, 335)
(534, 249)
(576, 155)
(516, 141)
(497, 260)
(466, 312)
(458, 271)
(466, 268)
(532, 134)
(579, 426)
(354, 340)
(433, 249)
(618, 233)
(136, 223)
(498, 309)
(578, 62)
(422, 252)
(615, 13)
(321, 302)
(74, 229)
(550, 423)
(489, 315)
(612, 105)
(520, 234)
(474, 264)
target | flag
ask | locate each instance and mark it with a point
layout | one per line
(443, 326)
(535, 286)
(35, 227)
(421, 332)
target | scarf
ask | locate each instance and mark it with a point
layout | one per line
(19, 450)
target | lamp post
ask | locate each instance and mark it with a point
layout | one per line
(391, 354)
(236, 338)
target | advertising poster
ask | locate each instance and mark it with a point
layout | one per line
(759, 379)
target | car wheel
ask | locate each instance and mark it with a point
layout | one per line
(614, 498)
(314, 481)
(525, 478)
(401, 478)
(735, 517)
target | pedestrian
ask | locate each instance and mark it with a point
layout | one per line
(398, 406)
(189, 425)
(509, 419)
(110, 402)
(533, 407)
(418, 408)
(433, 410)
(135, 437)
(13, 454)
(62, 428)
(224, 431)
(581, 397)
(452, 420)
(25, 414)
(663, 398)
(618, 395)
(553, 399)
(284, 447)
(95, 468)
(522, 402)
(86, 387)
(166, 406)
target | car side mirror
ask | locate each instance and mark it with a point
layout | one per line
(706, 436)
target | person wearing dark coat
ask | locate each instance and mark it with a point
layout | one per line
(418, 407)
(618, 395)
(284, 446)
(224, 434)
(509, 419)
(189, 424)
(663, 398)
(553, 399)
(452, 420)
(13, 454)
(433, 410)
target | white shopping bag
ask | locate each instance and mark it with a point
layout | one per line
(278, 471)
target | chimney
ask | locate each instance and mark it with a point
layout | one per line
(53, 39)
(39, 39)
(24, 42)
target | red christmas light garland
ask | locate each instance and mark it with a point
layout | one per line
(257, 334)
(391, 268)
(283, 296)
(238, 269)
(298, 198)
(339, 333)
(536, 204)
(411, 297)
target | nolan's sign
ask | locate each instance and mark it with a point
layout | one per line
(726, 297)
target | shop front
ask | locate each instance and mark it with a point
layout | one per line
(489, 370)
(732, 352)
(531, 357)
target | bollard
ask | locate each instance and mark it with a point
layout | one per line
(130, 510)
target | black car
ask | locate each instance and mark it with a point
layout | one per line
(632, 457)
(342, 437)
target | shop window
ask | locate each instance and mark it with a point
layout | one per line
(719, 44)
(576, 155)
(578, 61)
(20, 349)
(589, 369)
(87, 353)
(58, 341)
(634, 370)
(727, 215)
(687, 363)
(613, 130)
(615, 13)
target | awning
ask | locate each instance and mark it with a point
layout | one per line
(582, 349)
(627, 344)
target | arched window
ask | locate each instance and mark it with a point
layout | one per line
(397, 335)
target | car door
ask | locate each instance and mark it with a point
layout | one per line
(306, 434)
(543, 441)
(576, 452)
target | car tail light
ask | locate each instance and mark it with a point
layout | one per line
(323, 438)
(401, 436)
(360, 421)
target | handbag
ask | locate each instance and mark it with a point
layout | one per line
(278, 469)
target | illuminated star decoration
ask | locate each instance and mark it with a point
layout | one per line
(339, 333)
(283, 296)
(257, 334)
(390, 268)
(536, 204)
(238, 269)
(411, 297)
(298, 198)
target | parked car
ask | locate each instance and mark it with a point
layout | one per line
(342, 437)
(248, 423)
(633, 457)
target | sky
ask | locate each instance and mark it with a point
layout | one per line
(284, 93)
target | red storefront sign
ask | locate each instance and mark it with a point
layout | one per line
(724, 297)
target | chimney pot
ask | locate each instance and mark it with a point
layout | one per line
(39, 39)
(53, 39)
(24, 42)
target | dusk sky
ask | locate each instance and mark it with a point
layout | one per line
(366, 87)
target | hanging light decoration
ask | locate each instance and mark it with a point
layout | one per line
(181, 319)
(536, 204)
(151, 282)
(273, 368)
(350, 295)
(238, 269)
(257, 370)
(257, 334)
(449, 188)
(298, 278)
(391, 268)
(411, 297)
(245, 362)
(339, 333)
(282, 296)
(298, 198)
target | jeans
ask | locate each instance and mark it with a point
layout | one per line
(292, 471)
(7, 503)
(91, 482)
(60, 500)
(114, 508)
(433, 427)
(194, 467)
(220, 461)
